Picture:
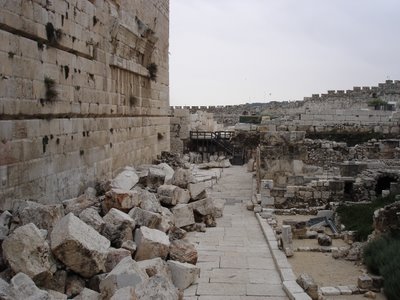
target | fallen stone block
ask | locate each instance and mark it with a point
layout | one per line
(125, 180)
(4, 289)
(176, 233)
(344, 290)
(203, 207)
(168, 171)
(119, 227)
(183, 214)
(330, 291)
(365, 282)
(156, 266)
(151, 243)
(92, 217)
(183, 274)
(145, 218)
(182, 178)
(121, 200)
(219, 205)
(54, 295)
(27, 251)
(43, 216)
(126, 274)
(74, 285)
(77, 205)
(324, 240)
(157, 287)
(170, 195)
(183, 251)
(151, 176)
(57, 282)
(94, 282)
(115, 217)
(88, 294)
(309, 285)
(197, 191)
(130, 246)
(5, 219)
(167, 220)
(79, 246)
(149, 201)
(114, 256)
(22, 287)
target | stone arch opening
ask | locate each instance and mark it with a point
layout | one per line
(383, 183)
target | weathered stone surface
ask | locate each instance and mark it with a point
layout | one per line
(156, 266)
(114, 256)
(126, 274)
(324, 240)
(203, 207)
(197, 190)
(119, 227)
(167, 220)
(145, 218)
(127, 293)
(219, 205)
(168, 171)
(151, 243)
(365, 282)
(121, 199)
(309, 286)
(57, 282)
(130, 246)
(87, 294)
(77, 205)
(171, 195)
(157, 287)
(4, 289)
(79, 246)
(5, 219)
(183, 274)
(94, 282)
(125, 180)
(28, 252)
(151, 176)
(370, 295)
(43, 216)
(330, 291)
(22, 287)
(92, 217)
(183, 251)
(176, 233)
(54, 295)
(183, 214)
(182, 178)
(149, 201)
(74, 285)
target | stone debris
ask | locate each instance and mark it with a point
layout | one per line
(370, 295)
(126, 274)
(125, 180)
(309, 286)
(121, 199)
(183, 251)
(151, 243)
(324, 240)
(27, 251)
(183, 274)
(130, 220)
(365, 282)
(79, 246)
(330, 291)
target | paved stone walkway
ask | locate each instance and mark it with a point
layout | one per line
(234, 257)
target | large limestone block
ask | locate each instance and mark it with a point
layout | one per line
(43, 216)
(126, 274)
(115, 217)
(119, 227)
(167, 220)
(182, 178)
(126, 293)
(156, 266)
(145, 218)
(171, 195)
(203, 207)
(183, 214)
(149, 201)
(121, 199)
(88, 294)
(157, 287)
(79, 246)
(197, 191)
(22, 287)
(151, 243)
(91, 217)
(27, 251)
(183, 251)
(183, 274)
(169, 172)
(151, 176)
(4, 289)
(77, 205)
(114, 256)
(125, 180)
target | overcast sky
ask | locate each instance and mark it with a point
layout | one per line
(237, 51)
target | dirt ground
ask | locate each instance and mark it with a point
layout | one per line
(324, 269)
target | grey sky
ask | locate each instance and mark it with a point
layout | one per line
(238, 51)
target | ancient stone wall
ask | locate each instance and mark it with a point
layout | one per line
(84, 91)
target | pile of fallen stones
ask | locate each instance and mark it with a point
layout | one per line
(127, 243)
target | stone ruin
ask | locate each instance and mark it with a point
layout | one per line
(125, 240)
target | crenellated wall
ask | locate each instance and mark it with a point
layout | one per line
(84, 91)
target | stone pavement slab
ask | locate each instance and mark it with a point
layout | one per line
(234, 257)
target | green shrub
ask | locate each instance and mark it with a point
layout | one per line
(382, 257)
(359, 217)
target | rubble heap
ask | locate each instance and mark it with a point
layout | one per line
(128, 242)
